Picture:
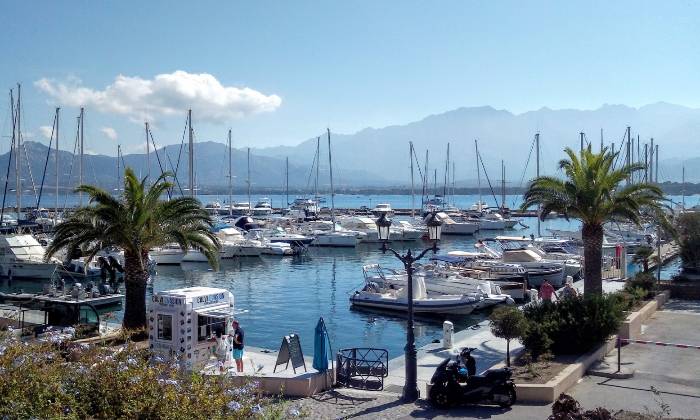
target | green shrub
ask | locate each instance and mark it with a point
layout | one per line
(47, 380)
(642, 280)
(574, 325)
(536, 340)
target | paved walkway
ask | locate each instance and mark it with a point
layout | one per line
(673, 372)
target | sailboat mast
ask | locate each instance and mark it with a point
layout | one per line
(447, 166)
(18, 154)
(503, 186)
(318, 164)
(646, 162)
(581, 135)
(286, 186)
(330, 169)
(230, 176)
(683, 189)
(425, 178)
(119, 153)
(249, 203)
(656, 166)
(627, 154)
(148, 154)
(601, 140)
(651, 161)
(191, 153)
(537, 159)
(413, 193)
(55, 213)
(82, 145)
(479, 206)
(454, 167)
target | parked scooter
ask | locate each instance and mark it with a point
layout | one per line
(456, 382)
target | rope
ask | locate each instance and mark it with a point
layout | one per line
(31, 176)
(9, 163)
(487, 178)
(522, 178)
(46, 164)
(155, 149)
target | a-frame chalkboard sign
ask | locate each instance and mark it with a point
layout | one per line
(290, 351)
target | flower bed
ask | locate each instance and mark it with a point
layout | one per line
(67, 380)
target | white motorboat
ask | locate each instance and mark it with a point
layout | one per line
(262, 207)
(440, 282)
(494, 221)
(335, 239)
(22, 256)
(194, 256)
(271, 247)
(383, 208)
(396, 299)
(453, 227)
(234, 244)
(167, 255)
(402, 231)
(279, 234)
(237, 209)
(213, 208)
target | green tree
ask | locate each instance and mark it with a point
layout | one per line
(508, 322)
(689, 240)
(642, 256)
(136, 222)
(593, 191)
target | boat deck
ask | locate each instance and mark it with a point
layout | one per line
(103, 300)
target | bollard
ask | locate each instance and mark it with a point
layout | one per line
(448, 330)
(619, 348)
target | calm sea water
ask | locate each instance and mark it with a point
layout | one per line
(277, 296)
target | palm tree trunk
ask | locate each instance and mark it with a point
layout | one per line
(592, 235)
(135, 277)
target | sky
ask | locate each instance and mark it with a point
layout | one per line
(280, 72)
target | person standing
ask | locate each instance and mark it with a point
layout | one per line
(568, 291)
(546, 290)
(238, 344)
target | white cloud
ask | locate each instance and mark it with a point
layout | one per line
(165, 94)
(109, 132)
(46, 131)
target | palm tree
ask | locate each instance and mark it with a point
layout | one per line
(642, 256)
(593, 192)
(136, 222)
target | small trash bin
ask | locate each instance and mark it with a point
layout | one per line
(448, 332)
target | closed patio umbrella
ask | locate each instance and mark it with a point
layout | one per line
(321, 346)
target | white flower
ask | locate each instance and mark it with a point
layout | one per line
(233, 405)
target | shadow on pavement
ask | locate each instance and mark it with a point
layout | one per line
(692, 306)
(635, 388)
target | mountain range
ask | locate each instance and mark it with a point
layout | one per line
(379, 157)
(503, 135)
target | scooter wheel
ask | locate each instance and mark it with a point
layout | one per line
(509, 400)
(440, 397)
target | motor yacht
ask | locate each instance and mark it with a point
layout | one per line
(22, 256)
(456, 227)
(382, 208)
(234, 244)
(262, 207)
(442, 282)
(375, 296)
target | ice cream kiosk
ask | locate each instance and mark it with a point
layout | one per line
(182, 323)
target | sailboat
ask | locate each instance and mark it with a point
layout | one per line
(330, 234)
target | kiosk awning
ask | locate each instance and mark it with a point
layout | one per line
(218, 311)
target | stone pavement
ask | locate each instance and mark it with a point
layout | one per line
(673, 372)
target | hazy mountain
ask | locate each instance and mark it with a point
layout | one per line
(503, 135)
(211, 168)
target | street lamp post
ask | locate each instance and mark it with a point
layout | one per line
(410, 388)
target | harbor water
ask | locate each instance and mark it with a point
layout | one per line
(277, 296)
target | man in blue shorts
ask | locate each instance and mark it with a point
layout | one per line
(238, 340)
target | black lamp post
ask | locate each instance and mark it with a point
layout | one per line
(410, 388)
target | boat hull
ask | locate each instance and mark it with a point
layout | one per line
(420, 306)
